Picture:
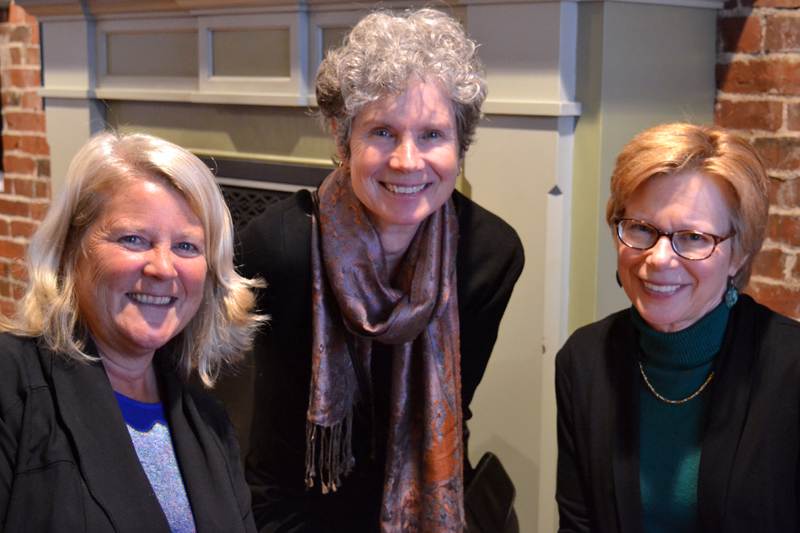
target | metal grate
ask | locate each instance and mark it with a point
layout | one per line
(246, 203)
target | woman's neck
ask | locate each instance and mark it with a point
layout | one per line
(131, 377)
(395, 240)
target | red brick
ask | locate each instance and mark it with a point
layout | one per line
(19, 165)
(779, 153)
(5, 288)
(22, 228)
(18, 271)
(31, 100)
(35, 38)
(4, 227)
(796, 269)
(11, 142)
(793, 117)
(782, 34)
(42, 188)
(21, 187)
(33, 122)
(785, 300)
(15, 54)
(16, 15)
(33, 56)
(770, 3)
(11, 249)
(19, 77)
(758, 76)
(739, 34)
(17, 290)
(20, 34)
(784, 229)
(15, 208)
(752, 115)
(34, 145)
(784, 193)
(10, 98)
(768, 263)
(8, 308)
(43, 168)
(38, 210)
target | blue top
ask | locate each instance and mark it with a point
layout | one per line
(149, 432)
(676, 364)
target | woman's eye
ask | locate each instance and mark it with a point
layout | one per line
(188, 248)
(641, 228)
(382, 133)
(130, 239)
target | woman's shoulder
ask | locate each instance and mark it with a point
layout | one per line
(770, 324)
(19, 355)
(595, 339)
(482, 226)
(277, 235)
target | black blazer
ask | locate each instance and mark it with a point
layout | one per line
(749, 477)
(67, 462)
(276, 246)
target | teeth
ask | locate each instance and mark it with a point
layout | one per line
(661, 288)
(404, 190)
(150, 300)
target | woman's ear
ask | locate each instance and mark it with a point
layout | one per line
(736, 264)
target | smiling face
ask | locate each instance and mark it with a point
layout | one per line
(404, 156)
(670, 292)
(141, 278)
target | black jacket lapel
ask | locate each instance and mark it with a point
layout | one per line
(624, 377)
(728, 409)
(214, 507)
(104, 450)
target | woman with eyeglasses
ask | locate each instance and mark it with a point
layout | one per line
(682, 414)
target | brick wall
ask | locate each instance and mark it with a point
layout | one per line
(26, 155)
(758, 82)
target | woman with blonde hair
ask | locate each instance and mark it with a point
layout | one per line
(682, 413)
(131, 292)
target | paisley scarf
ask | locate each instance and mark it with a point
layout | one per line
(418, 317)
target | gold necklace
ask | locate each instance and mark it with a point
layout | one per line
(666, 400)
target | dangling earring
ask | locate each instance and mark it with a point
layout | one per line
(619, 281)
(344, 169)
(732, 295)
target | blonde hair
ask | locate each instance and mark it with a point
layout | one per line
(222, 329)
(707, 150)
(386, 50)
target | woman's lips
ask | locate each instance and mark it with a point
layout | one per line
(150, 300)
(404, 190)
(660, 288)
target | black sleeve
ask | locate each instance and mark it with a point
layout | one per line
(573, 514)
(489, 263)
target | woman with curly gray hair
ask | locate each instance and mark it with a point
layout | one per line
(131, 292)
(386, 290)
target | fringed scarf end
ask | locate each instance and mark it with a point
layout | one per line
(334, 453)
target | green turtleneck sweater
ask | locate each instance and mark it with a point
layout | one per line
(676, 364)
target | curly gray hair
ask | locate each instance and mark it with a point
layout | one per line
(383, 52)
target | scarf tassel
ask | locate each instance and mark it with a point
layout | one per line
(334, 453)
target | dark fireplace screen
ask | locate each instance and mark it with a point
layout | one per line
(249, 186)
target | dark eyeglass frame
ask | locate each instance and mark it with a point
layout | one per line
(716, 238)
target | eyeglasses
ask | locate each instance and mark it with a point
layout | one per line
(691, 245)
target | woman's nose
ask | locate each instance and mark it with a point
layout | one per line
(407, 157)
(662, 253)
(161, 264)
